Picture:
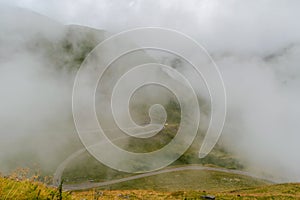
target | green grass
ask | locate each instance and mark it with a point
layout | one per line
(20, 187)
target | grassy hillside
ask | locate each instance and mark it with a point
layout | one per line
(84, 167)
(188, 185)
(12, 189)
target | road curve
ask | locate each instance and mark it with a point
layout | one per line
(60, 169)
(89, 185)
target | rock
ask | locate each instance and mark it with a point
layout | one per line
(208, 197)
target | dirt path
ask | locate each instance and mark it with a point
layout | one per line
(89, 185)
(60, 169)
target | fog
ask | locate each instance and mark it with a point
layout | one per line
(254, 43)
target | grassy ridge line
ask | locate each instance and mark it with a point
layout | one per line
(278, 192)
(30, 189)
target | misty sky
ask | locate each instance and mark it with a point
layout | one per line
(255, 26)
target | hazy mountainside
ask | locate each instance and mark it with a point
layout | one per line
(38, 62)
(39, 59)
(50, 76)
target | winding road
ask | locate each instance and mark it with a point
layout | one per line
(89, 185)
